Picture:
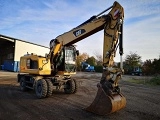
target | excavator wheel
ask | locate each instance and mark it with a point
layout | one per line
(71, 87)
(49, 87)
(23, 84)
(105, 104)
(41, 88)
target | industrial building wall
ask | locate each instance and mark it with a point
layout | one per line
(21, 48)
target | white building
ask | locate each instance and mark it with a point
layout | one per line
(11, 49)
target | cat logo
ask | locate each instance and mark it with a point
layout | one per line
(79, 32)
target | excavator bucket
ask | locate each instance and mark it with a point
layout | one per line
(104, 104)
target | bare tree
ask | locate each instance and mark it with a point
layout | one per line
(99, 58)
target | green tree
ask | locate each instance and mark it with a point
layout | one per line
(147, 67)
(91, 61)
(156, 66)
(151, 67)
(132, 60)
(82, 57)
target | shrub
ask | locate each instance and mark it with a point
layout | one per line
(155, 80)
(98, 69)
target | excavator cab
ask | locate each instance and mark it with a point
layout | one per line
(70, 59)
(65, 63)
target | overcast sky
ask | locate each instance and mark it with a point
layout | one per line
(39, 21)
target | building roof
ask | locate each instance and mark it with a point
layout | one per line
(3, 38)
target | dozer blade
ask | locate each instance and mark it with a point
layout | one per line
(104, 104)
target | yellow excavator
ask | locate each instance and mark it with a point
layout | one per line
(43, 74)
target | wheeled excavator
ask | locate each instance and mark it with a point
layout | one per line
(43, 74)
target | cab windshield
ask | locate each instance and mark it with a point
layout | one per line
(70, 59)
(69, 56)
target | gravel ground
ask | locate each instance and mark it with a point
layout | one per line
(143, 102)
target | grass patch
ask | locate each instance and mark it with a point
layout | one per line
(153, 81)
(137, 81)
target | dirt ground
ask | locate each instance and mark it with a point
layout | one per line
(143, 102)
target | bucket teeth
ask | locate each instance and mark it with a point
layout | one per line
(104, 104)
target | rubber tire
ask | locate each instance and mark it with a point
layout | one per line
(71, 87)
(23, 84)
(49, 88)
(41, 88)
